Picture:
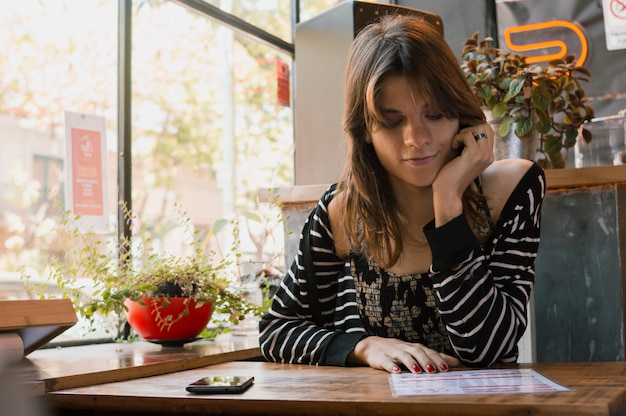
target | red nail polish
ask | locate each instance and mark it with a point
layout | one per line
(443, 367)
(416, 368)
(430, 368)
(396, 369)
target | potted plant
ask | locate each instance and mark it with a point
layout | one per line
(130, 277)
(533, 100)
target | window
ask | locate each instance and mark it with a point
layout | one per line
(58, 56)
(208, 129)
(212, 119)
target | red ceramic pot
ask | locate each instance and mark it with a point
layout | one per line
(155, 321)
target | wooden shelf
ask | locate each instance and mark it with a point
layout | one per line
(582, 177)
(36, 321)
(555, 179)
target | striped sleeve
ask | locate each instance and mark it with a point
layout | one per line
(483, 297)
(313, 318)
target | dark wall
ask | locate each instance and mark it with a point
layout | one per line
(579, 315)
(461, 18)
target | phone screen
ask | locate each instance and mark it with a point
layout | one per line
(221, 384)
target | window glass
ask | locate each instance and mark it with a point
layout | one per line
(57, 56)
(311, 8)
(209, 132)
(211, 127)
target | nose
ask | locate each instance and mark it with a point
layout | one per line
(415, 134)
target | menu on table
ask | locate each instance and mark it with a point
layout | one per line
(496, 381)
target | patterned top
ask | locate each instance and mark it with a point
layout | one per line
(398, 306)
(475, 295)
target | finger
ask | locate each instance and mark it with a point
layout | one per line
(391, 365)
(451, 360)
(422, 359)
(388, 365)
(407, 360)
(472, 137)
(443, 362)
(432, 361)
(478, 131)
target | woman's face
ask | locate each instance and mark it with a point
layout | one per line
(416, 140)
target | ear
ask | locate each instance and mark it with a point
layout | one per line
(368, 138)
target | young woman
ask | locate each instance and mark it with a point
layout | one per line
(422, 256)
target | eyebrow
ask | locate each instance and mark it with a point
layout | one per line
(390, 110)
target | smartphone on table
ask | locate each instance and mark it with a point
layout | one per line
(221, 384)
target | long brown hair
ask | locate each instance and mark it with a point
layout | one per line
(394, 45)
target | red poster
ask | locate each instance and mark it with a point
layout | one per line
(88, 198)
(282, 76)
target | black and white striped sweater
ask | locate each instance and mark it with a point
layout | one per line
(481, 292)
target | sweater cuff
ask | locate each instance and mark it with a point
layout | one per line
(451, 243)
(340, 347)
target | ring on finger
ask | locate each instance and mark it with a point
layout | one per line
(480, 136)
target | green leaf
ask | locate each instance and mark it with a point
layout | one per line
(219, 224)
(543, 125)
(523, 127)
(252, 216)
(505, 127)
(472, 78)
(553, 144)
(514, 89)
(541, 98)
(500, 110)
(485, 93)
(557, 160)
(571, 134)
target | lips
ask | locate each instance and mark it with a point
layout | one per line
(419, 160)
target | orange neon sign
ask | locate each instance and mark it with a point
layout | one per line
(562, 48)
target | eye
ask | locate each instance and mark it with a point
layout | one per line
(434, 117)
(391, 120)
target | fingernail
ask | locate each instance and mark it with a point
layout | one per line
(396, 369)
(443, 367)
(430, 368)
(416, 368)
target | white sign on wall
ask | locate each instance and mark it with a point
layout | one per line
(615, 23)
(86, 170)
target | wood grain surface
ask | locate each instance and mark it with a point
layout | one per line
(281, 389)
(62, 368)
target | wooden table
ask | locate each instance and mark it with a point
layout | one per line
(68, 367)
(280, 389)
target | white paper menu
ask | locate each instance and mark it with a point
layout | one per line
(496, 381)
